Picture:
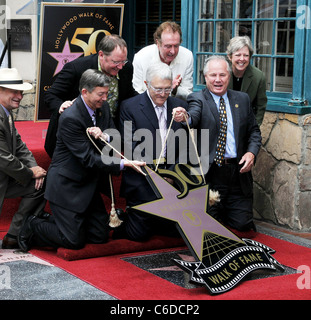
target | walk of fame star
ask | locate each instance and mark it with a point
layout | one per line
(190, 215)
(63, 57)
(224, 259)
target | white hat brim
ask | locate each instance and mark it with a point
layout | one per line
(23, 86)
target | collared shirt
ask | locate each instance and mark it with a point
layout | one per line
(182, 64)
(230, 142)
(113, 94)
(89, 110)
(5, 110)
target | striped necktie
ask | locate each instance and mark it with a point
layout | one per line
(221, 144)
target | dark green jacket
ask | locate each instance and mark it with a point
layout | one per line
(254, 84)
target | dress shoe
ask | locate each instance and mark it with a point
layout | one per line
(25, 235)
(9, 242)
(44, 215)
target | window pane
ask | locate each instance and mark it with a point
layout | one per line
(264, 64)
(273, 38)
(141, 10)
(287, 8)
(244, 28)
(200, 66)
(246, 9)
(154, 10)
(223, 35)
(264, 37)
(264, 9)
(140, 35)
(284, 74)
(206, 9)
(285, 37)
(224, 9)
(206, 37)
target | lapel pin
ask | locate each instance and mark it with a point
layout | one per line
(236, 105)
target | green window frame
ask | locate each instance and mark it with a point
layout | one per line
(280, 33)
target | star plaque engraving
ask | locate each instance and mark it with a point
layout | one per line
(223, 259)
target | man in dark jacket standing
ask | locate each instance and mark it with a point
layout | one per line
(111, 59)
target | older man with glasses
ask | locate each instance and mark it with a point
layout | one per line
(149, 116)
(111, 59)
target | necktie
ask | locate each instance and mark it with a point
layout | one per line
(221, 144)
(162, 126)
(113, 96)
(94, 118)
(10, 123)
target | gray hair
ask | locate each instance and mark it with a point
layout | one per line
(215, 57)
(161, 70)
(92, 78)
(238, 43)
(110, 42)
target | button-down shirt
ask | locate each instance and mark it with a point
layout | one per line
(230, 141)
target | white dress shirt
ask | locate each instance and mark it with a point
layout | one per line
(182, 64)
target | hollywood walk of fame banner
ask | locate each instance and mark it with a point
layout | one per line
(69, 31)
(223, 259)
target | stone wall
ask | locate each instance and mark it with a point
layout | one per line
(282, 174)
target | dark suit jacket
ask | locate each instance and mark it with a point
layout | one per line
(77, 169)
(139, 112)
(204, 115)
(66, 87)
(254, 84)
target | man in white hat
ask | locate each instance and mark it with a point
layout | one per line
(20, 176)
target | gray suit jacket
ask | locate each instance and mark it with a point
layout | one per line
(15, 157)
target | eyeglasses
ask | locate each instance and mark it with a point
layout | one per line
(117, 63)
(160, 90)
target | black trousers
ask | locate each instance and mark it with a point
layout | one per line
(72, 230)
(140, 226)
(235, 209)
